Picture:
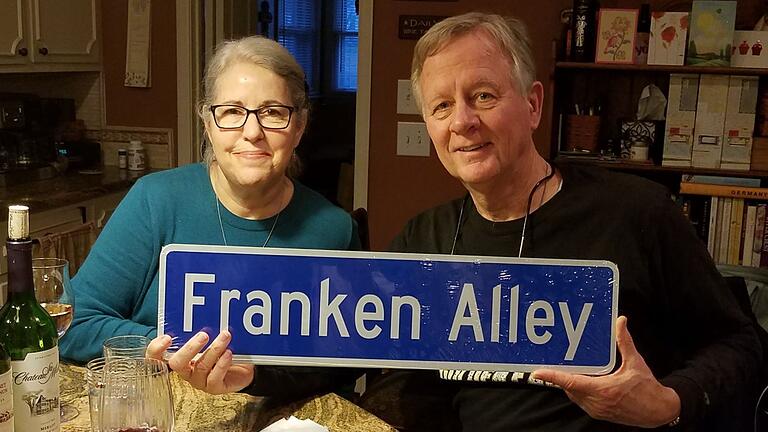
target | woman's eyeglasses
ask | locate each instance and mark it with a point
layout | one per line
(235, 116)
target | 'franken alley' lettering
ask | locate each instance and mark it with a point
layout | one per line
(468, 314)
(369, 314)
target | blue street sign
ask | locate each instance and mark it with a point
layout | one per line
(419, 311)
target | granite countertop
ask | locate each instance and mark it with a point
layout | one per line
(67, 189)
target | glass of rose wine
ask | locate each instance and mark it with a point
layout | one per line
(136, 396)
(53, 290)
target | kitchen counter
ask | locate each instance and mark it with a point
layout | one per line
(67, 189)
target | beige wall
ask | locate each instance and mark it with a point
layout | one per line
(401, 186)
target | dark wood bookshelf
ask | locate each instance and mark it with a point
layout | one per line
(616, 89)
(622, 165)
(662, 68)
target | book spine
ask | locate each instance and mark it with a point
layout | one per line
(718, 180)
(734, 235)
(749, 235)
(757, 246)
(719, 230)
(725, 229)
(712, 228)
(704, 218)
(764, 251)
(724, 191)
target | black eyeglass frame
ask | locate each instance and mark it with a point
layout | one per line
(255, 112)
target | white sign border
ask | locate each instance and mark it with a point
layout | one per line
(398, 364)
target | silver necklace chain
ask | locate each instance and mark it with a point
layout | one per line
(527, 211)
(221, 224)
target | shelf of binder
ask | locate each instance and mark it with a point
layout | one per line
(710, 121)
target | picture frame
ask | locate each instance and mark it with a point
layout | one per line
(711, 33)
(616, 30)
(669, 32)
(750, 49)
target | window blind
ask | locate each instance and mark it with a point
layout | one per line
(298, 31)
(345, 61)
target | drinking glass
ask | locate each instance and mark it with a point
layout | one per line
(131, 346)
(94, 383)
(136, 396)
(53, 290)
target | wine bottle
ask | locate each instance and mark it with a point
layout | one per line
(29, 335)
(6, 395)
(583, 31)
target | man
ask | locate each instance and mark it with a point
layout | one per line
(691, 351)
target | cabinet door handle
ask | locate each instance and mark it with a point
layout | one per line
(43, 51)
(23, 52)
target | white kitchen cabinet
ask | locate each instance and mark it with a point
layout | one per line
(13, 46)
(49, 35)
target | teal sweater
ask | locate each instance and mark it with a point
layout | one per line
(116, 288)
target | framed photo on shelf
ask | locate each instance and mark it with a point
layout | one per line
(668, 36)
(616, 35)
(711, 33)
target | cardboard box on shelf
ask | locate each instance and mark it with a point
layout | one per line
(681, 118)
(739, 122)
(710, 120)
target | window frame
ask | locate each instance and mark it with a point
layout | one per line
(326, 48)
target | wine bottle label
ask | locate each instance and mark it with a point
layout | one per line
(6, 402)
(36, 391)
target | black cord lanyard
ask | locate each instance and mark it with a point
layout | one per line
(525, 219)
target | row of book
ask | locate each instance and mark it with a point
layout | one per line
(730, 219)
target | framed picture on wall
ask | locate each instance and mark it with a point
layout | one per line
(616, 35)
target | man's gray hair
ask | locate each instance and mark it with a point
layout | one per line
(508, 33)
(262, 52)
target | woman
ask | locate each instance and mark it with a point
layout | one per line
(255, 110)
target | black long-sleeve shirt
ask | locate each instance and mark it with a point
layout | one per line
(681, 315)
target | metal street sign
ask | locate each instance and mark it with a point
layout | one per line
(421, 311)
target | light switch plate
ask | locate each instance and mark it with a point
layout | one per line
(405, 102)
(412, 139)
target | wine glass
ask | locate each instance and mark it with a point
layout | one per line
(53, 290)
(136, 396)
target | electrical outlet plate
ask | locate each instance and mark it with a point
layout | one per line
(405, 102)
(412, 139)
